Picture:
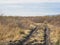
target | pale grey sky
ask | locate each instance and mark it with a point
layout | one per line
(26, 1)
(30, 7)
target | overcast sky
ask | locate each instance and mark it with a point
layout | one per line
(30, 7)
(27, 1)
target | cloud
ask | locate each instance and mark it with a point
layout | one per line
(26, 1)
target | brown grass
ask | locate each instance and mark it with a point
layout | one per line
(16, 28)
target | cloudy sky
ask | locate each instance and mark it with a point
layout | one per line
(27, 1)
(29, 7)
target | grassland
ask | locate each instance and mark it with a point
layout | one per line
(16, 28)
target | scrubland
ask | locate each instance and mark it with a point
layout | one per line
(17, 28)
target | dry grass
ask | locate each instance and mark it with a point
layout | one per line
(16, 28)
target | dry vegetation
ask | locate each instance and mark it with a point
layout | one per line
(16, 28)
